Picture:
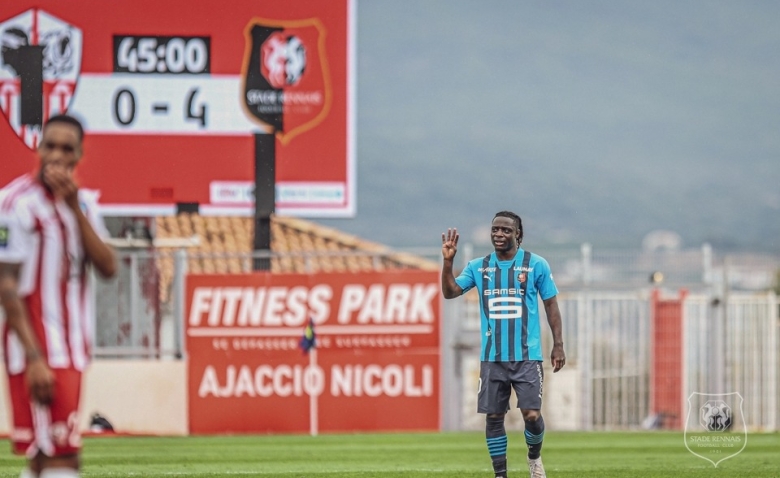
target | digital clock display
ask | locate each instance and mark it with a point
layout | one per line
(162, 54)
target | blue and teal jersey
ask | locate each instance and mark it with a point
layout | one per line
(508, 303)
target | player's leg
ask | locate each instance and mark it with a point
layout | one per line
(493, 401)
(58, 437)
(27, 473)
(534, 432)
(22, 434)
(528, 381)
(534, 436)
(59, 472)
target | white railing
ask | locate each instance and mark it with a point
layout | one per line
(730, 345)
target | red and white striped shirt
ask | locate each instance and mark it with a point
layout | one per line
(42, 235)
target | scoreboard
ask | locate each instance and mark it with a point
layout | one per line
(172, 94)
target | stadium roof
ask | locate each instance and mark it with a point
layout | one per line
(222, 244)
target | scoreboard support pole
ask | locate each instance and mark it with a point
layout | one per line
(265, 197)
(29, 64)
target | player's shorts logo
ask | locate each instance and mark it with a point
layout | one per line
(286, 78)
(40, 62)
(715, 428)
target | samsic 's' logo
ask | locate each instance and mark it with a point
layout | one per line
(287, 86)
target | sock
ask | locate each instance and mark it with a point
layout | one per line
(27, 473)
(495, 435)
(534, 435)
(59, 473)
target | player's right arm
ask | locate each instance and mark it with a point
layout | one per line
(449, 247)
(39, 376)
(15, 249)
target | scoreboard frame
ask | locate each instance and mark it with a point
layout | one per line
(163, 90)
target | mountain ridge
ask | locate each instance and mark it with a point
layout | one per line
(596, 123)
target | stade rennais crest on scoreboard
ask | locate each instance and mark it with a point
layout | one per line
(40, 61)
(285, 75)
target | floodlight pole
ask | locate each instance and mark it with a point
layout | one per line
(265, 196)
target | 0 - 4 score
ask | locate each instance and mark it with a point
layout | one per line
(125, 107)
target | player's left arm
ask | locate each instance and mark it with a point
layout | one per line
(549, 293)
(100, 254)
(558, 357)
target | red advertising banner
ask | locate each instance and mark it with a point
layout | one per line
(375, 367)
(172, 95)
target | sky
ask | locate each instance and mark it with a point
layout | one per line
(577, 115)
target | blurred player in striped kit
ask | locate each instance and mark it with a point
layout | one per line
(508, 281)
(49, 237)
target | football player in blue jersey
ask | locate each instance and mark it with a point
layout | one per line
(508, 281)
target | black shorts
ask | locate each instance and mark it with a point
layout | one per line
(496, 380)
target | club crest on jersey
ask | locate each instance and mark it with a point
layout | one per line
(3, 237)
(40, 62)
(521, 277)
(286, 78)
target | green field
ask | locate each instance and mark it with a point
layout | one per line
(584, 455)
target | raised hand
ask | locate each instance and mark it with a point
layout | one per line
(61, 183)
(449, 243)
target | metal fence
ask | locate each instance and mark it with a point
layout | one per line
(728, 347)
(732, 346)
(731, 332)
(608, 342)
(129, 309)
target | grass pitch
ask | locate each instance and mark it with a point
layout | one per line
(581, 455)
